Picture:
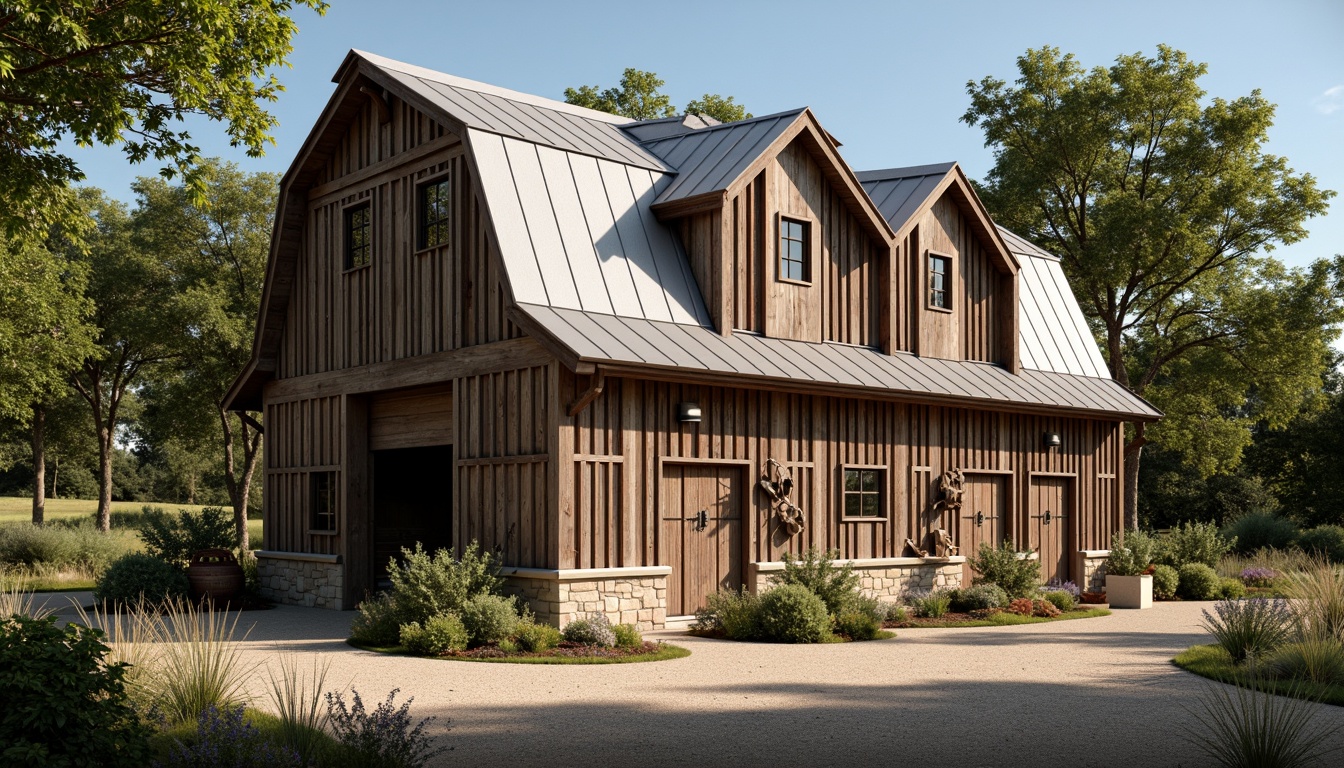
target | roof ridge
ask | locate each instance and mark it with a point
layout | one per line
(906, 172)
(720, 126)
(493, 90)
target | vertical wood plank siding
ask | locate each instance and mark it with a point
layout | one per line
(971, 330)
(502, 456)
(302, 436)
(610, 517)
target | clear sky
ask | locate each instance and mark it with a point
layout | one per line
(888, 79)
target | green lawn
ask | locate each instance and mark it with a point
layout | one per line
(1212, 661)
(665, 651)
(1006, 619)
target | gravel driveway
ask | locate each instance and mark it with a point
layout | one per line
(1092, 692)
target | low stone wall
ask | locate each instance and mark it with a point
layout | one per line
(1092, 567)
(635, 596)
(886, 578)
(298, 578)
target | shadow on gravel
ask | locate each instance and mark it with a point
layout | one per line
(1165, 642)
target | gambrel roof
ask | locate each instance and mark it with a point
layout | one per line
(575, 196)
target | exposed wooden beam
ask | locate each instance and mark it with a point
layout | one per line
(379, 103)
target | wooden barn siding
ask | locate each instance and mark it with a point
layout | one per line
(407, 302)
(971, 331)
(504, 422)
(302, 436)
(609, 503)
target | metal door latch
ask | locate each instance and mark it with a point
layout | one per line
(978, 517)
(1048, 516)
(701, 520)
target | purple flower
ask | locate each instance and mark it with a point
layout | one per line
(1056, 585)
(1259, 577)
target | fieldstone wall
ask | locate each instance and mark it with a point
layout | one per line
(292, 579)
(624, 595)
(1093, 570)
(886, 579)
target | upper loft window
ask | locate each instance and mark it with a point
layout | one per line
(863, 492)
(434, 214)
(940, 281)
(795, 244)
(358, 236)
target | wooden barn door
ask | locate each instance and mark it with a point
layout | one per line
(701, 532)
(1050, 521)
(984, 516)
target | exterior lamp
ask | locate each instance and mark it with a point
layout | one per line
(1051, 440)
(688, 413)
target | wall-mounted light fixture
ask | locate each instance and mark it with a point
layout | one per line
(1051, 440)
(688, 413)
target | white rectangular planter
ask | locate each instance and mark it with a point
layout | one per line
(1129, 591)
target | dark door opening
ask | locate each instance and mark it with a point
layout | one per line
(412, 501)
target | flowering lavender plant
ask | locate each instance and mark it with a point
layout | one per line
(224, 739)
(383, 738)
(1056, 585)
(1259, 577)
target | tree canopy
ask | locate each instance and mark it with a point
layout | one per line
(639, 97)
(1161, 204)
(125, 73)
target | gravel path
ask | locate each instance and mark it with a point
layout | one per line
(1092, 692)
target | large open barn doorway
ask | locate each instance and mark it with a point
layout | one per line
(412, 501)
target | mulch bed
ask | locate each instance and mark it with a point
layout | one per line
(568, 650)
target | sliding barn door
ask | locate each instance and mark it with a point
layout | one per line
(700, 532)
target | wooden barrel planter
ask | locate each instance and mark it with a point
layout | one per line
(215, 574)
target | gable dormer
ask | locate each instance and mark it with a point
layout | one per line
(956, 292)
(781, 237)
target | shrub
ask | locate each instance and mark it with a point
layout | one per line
(594, 630)
(931, 605)
(1259, 577)
(735, 614)
(224, 739)
(1065, 586)
(1131, 553)
(139, 577)
(978, 597)
(425, 585)
(1166, 581)
(1260, 530)
(439, 635)
(1018, 577)
(1193, 542)
(1325, 541)
(1197, 582)
(378, 622)
(74, 547)
(489, 619)
(1022, 606)
(627, 636)
(1060, 599)
(861, 619)
(383, 738)
(1231, 589)
(896, 613)
(297, 702)
(535, 638)
(1314, 659)
(176, 537)
(792, 613)
(1044, 608)
(1317, 596)
(200, 665)
(1248, 629)
(818, 573)
(1250, 727)
(64, 704)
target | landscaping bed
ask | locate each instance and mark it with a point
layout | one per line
(564, 653)
(1213, 662)
(992, 619)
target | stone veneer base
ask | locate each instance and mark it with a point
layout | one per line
(886, 579)
(1092, 567)
(300, 578)
(635, 596)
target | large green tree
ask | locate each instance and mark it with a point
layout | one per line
(137, 314)
(125, 73)
(215, 253)
(44, 334)
(639, 97)
(1161, 204)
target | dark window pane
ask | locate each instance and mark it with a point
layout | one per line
(851, 480)
(852, 506)
(869, 479)
(870, 506)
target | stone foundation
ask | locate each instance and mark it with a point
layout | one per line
(299, 578)
(1092, 569)
(886, 579)
(635, 596)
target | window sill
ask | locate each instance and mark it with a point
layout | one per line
(352, 270)
(864, 519)
(805, 283)
(429, 249)
(324, 533)
(944, 310)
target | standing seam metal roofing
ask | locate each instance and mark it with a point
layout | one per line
(711, 158)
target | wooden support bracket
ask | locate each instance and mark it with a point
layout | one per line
(596, 383)
(247, 419)
(379, 103)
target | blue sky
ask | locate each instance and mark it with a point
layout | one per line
(886, 78)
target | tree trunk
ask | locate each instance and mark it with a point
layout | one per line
(55, 475)
(240, 488)
(39, 465)
(104, 478)
(1133, 455)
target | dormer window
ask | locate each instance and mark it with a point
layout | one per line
(795, 245)
(940, 282)
(358, 236)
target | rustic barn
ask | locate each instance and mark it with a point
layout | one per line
(644, 360)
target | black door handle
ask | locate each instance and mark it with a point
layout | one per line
(701, 520)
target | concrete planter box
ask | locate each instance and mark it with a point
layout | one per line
(1129, 591)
